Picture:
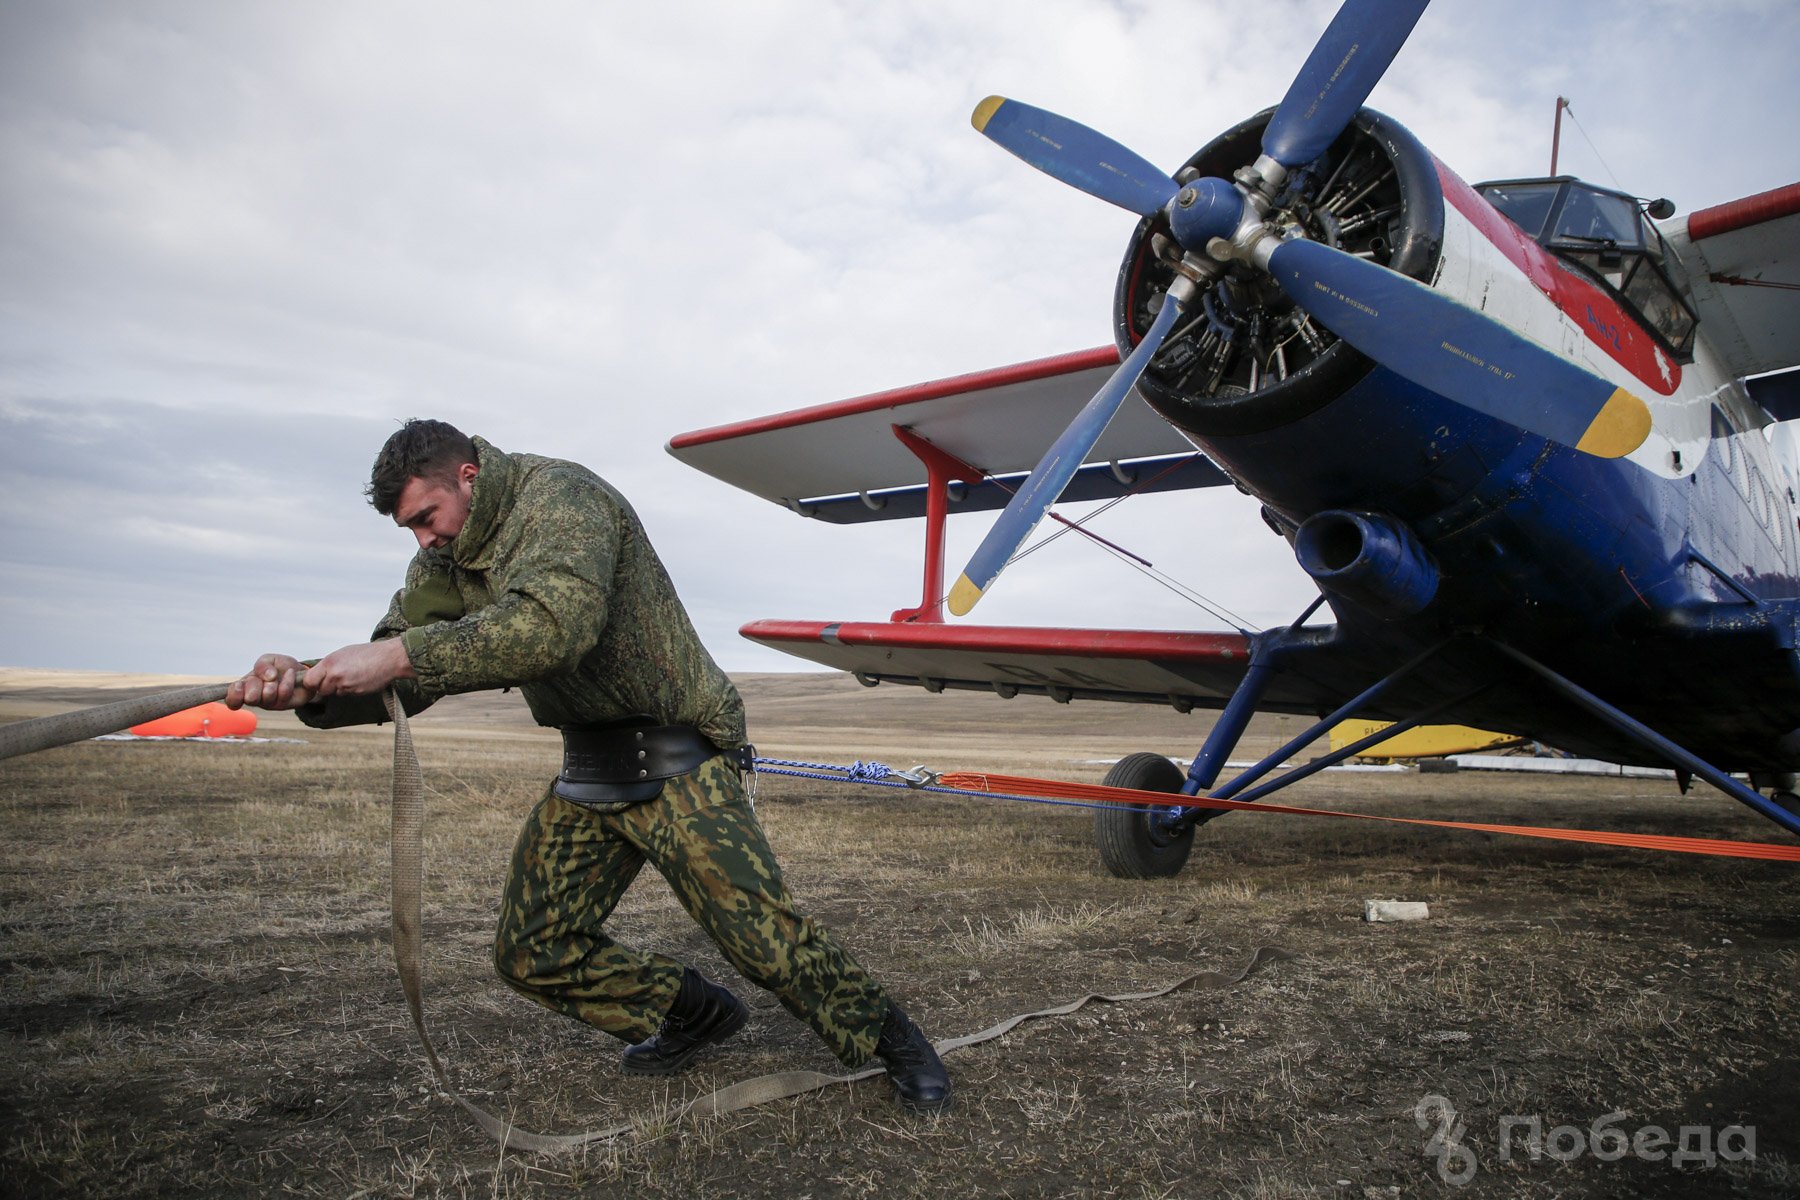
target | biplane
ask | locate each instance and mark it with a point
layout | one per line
(1516, 432)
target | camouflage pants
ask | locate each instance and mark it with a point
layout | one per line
(572, 864)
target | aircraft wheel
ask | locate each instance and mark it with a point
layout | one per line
(1787, 800)
(1133, 843)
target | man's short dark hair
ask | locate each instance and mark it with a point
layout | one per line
(419, 449)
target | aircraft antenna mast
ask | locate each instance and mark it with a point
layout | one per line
(1562, 102)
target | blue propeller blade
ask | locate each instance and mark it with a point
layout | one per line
(1075, 154)
(1459, 353)
(1053, 472)
(1345, 65)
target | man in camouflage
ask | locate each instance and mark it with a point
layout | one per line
(533, 572)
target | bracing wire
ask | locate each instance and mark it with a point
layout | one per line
(1138, 563)
(1591, 146)
(1150, 571)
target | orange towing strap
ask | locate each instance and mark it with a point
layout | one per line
(1055, 789)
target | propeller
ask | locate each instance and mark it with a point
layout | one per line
(1059, 464)
(1475, 361)
(1467, 356)
(1346, 63)
(1079, 156)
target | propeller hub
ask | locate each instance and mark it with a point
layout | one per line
(1206, 209)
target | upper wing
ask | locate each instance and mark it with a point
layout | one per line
(1742, 261)
(843, 462)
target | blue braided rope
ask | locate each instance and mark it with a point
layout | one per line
(858, 771)
(824, 778)
(876, 774)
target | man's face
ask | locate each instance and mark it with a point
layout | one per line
(436, 509)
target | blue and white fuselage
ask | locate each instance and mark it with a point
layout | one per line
(1663, 580)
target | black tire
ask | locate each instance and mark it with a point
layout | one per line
(1131, 847)
(1787, 800)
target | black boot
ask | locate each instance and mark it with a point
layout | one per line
(920, 1082)
(703, 1014)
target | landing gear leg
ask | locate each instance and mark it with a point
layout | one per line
(1138, 842)
(1778, 811)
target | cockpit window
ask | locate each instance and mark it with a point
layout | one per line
(1527, 205)
(1607, 235)
(1598, 218)
(1651, 294)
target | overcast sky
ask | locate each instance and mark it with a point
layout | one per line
(240, 241)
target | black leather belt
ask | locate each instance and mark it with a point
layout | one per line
(616, 765)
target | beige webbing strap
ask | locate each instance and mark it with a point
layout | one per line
(1209, 979)
(408, 872)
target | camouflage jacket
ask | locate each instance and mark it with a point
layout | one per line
(551, 587)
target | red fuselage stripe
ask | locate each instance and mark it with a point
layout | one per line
(1025, 372)
(1601, 317)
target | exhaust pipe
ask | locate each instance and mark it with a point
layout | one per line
(1372, 561)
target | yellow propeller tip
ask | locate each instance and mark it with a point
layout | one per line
(963, 596)
(985, 111)
(1620, 427)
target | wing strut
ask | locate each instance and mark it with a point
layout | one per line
(1680, 756)
(1176, 822)
(942, 469)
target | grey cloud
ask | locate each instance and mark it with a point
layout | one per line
(239, 241)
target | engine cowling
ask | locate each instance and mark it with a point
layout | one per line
(1248, 360)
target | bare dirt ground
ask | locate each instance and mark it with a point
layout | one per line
(197, 996)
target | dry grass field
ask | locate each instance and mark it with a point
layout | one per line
(197, 997)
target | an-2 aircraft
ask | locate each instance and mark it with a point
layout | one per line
(1515, 432)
